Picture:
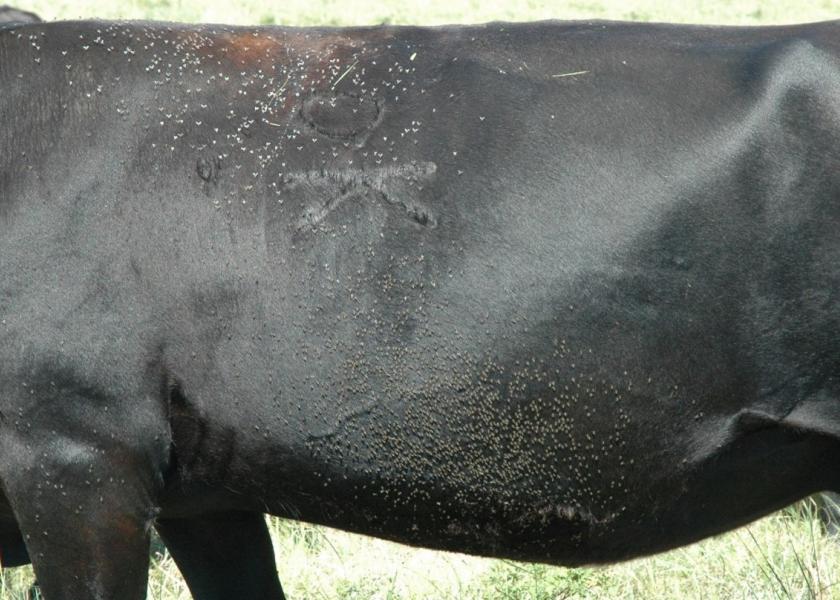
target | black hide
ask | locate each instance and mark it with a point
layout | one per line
(557, 292)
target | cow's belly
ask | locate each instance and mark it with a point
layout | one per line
(568, 450)
(600, 512)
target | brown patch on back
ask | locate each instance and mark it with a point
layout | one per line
(250, 46)
(246, 47)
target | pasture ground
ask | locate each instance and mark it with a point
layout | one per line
(784, 556)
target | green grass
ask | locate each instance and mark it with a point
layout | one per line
(783, 557)
(354, 12)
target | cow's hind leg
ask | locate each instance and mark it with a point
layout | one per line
(225, 555)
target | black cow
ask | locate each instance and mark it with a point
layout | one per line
(558, 292)
(11, 16)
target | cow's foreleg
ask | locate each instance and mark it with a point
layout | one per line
(82, 471)
(85, 521)
(226, 555)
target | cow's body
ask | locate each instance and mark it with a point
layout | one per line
(556, 292)
(10, 17)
